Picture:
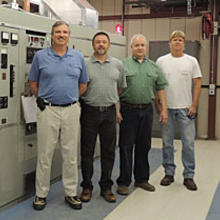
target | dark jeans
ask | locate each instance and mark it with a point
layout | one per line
(94, 122)
(135, 133)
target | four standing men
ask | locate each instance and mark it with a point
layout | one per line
(58, 77)
(181, 71)
(99, 109)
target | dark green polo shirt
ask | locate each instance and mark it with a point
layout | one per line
(143, 79)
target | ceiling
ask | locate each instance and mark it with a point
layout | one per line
(189, 7)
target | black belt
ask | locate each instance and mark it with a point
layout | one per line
(100, 108)
(135, 105)
(59, 105)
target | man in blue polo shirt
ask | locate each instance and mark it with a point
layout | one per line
(58, 77)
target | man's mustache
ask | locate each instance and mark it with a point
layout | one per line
(63, 38)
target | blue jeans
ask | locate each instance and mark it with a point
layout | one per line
(187, 132)
(135, 134)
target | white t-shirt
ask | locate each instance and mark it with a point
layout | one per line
(179, 72)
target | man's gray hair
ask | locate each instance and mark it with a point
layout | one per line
(58, 23)
(138, 35)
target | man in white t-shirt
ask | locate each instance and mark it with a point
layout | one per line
(183, 74)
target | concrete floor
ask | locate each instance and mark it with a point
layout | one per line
(174, 202)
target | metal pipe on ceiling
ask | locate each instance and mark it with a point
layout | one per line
(189, 7)
(168, 3)
(123, 18)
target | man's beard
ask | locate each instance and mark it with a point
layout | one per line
(103, 52)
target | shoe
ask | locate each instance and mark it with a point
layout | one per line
(167, 180)
(39, 203)
(108, 196)
(190, 184)
(86, 195)
(145, 185)
(74, 202)
(123, 190)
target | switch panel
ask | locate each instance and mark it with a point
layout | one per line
(4, 37)
(4, 76)
(14, 39)
(12, 79)
(30, 54)
(4, 60)
(3, 102)
(36, 41)
(4, 121)
(211, 89)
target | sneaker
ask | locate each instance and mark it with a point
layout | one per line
(190, 184)
(145, 185)
(74, 202)
(39, 203)
(123, 190)
(167, 180)
(86, 195)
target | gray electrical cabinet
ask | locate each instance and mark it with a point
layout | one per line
(21, 35)
(160, 48)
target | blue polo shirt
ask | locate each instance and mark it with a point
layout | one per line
(58, 77)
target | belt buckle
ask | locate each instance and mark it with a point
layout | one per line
(102, 108)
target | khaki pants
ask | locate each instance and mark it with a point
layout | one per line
(57, 123)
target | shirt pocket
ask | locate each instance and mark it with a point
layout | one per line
(129, 74)
(130, 78)
(151, 78)
(114, 75)
(73, 70)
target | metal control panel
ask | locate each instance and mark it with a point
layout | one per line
(8, 75)
(10, 169)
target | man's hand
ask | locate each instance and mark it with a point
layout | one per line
(158, 106)
(164, 116)
(161, 106)
(191, 110)
(119, 117)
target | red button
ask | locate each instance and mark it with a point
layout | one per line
(3, 76)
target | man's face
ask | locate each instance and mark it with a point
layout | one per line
(139, 47)
(177, 44)
(61, 35)
(101, 45)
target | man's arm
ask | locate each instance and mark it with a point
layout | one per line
(119, 91)
(34, 87)
(117, 106)
(163, 111)
(196, 93)
(157, 103)
(82, 88)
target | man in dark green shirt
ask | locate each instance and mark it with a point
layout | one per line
(143, 78)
